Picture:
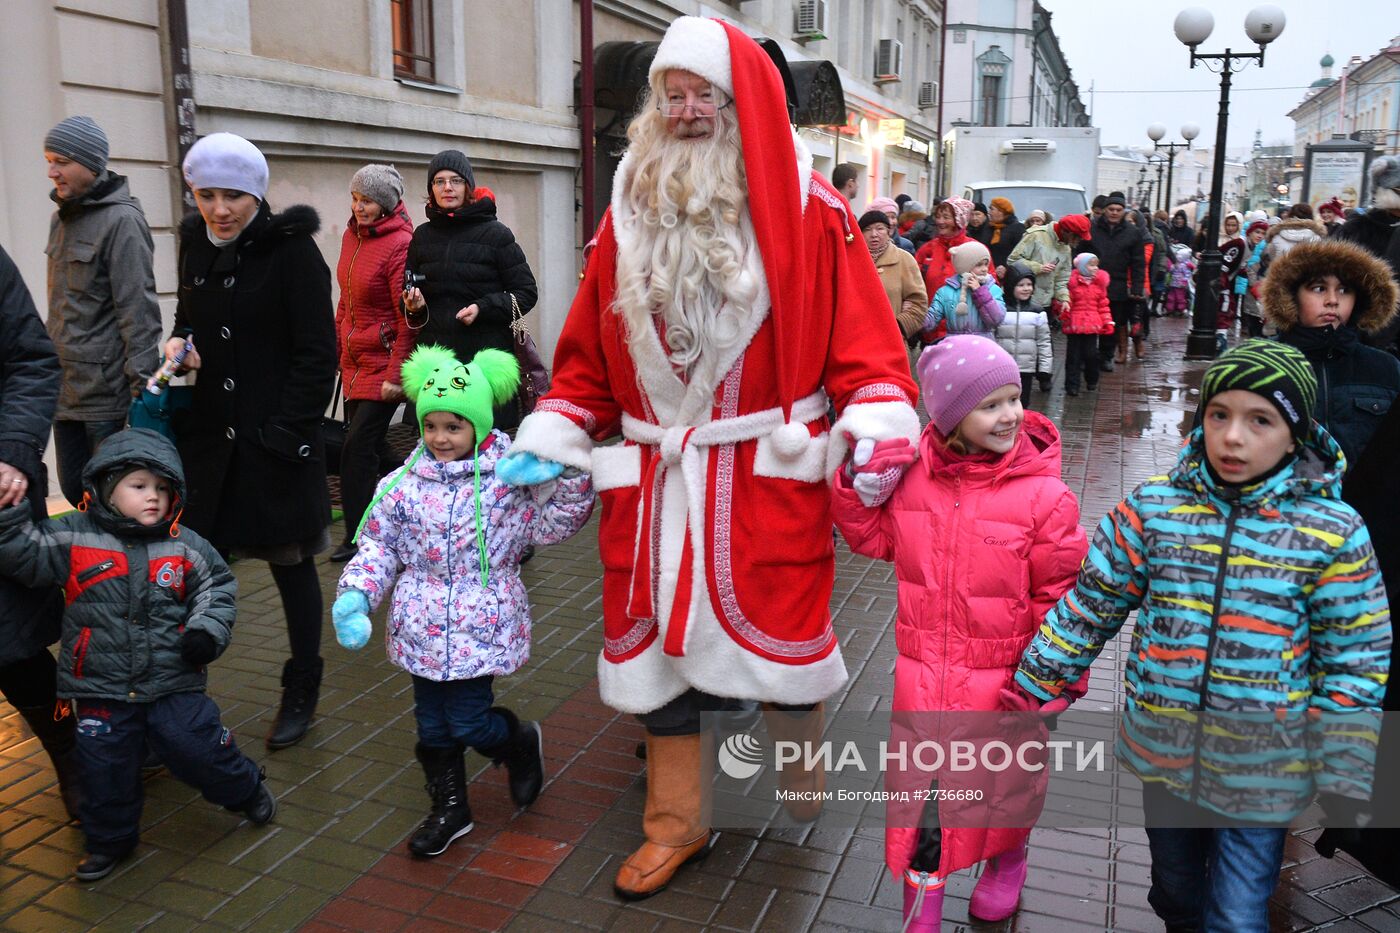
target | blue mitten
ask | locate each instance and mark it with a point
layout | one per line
(350, 613)
(521, 468)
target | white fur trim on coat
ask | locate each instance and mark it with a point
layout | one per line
(616, 466)
(876, 420)
(698, 45)
(550, 436)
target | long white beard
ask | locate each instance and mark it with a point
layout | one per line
(690, 257)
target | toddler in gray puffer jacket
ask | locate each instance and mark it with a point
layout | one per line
(149, 605)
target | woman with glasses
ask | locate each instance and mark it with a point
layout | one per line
(470, 277)
(374, 339)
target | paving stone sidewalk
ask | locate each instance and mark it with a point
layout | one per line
(333, 859)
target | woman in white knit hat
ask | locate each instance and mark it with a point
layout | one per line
(255, 302)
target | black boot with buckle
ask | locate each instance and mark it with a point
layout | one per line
(451, 816)
(301, 686)
(523, 755)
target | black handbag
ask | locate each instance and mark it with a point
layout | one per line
(333, 432)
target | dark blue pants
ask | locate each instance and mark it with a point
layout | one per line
(450, 712)
(74, 443)
(184, 730)
(1209, 880)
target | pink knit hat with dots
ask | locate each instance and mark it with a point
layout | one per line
(956, 373)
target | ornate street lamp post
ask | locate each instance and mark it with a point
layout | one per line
(1193, 26)
(1155, 132)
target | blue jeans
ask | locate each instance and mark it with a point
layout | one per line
(450, 712)
(184, 730)
(74, 443)
(1209, 880)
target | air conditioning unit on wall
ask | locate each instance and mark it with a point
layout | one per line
(889, 60)
(928, 95)
(810, 25)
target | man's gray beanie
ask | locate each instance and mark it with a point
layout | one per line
(79, 139)
(382, 184)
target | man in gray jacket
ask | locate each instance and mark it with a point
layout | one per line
(103, 316)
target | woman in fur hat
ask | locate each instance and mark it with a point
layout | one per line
(1323, 296)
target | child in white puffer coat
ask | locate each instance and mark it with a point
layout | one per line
(1025, 331)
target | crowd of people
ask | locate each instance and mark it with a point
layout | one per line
(747, 335)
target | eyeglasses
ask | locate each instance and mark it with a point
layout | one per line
(450, 182)
(702, 108)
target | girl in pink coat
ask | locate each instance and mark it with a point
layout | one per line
(985, 539)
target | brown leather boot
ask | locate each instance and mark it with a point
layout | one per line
(677, 817)
(1138, 350)
(801, 786)
(1122, 355)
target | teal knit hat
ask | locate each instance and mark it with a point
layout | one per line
(1276, 371)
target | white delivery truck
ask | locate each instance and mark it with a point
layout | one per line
(1054, 168)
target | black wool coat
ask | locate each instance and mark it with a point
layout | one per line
(260, 315)
(468, 256)
(29, 381)
(1120, 253)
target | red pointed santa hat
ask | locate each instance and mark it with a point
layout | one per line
(737, 65)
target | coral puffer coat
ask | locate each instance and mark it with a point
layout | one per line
(1088, 312)
(982, 549)
(374, 340)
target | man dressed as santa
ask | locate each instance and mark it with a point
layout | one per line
(728, 299)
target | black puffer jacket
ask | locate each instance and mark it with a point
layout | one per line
(29, 381)
(132, 589)
(1378, 232)
(261, 317)
(1119, 248)
(1356, 384)
(470, 257)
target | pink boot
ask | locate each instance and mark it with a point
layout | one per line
(923, 902)
(998, 893)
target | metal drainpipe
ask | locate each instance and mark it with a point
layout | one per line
(585, 112)
(936, 190)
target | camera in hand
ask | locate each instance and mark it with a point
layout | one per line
(413, 279)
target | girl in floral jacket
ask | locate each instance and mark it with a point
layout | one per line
(451, 533)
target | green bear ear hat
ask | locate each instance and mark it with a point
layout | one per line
(437, 381)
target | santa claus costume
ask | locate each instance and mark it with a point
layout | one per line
(716, 537)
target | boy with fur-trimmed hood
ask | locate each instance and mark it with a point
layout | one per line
(1323, 296)
(149, 606)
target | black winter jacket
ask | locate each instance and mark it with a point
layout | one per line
(1011, 232)
(1379, 234)
(1356, 384)
(470, 257)
(132, 589)
(261, 318)
(29, 379)
(1120, 253)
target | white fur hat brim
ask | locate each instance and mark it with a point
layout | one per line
(697, 45)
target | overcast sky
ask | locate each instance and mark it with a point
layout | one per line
(1141, 74)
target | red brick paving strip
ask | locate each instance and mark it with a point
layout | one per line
(488, 875)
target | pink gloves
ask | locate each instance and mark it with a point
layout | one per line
(1107, 329)
(1014, 701)
(877, 466)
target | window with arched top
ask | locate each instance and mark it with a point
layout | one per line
(993, 70)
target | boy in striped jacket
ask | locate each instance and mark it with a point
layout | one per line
(1261, 612)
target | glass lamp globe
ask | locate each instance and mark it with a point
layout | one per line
(1190, 131)
(1264, 24)
(1156, 131)
(1193, 25)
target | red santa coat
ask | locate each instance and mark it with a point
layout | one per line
(716, 537)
